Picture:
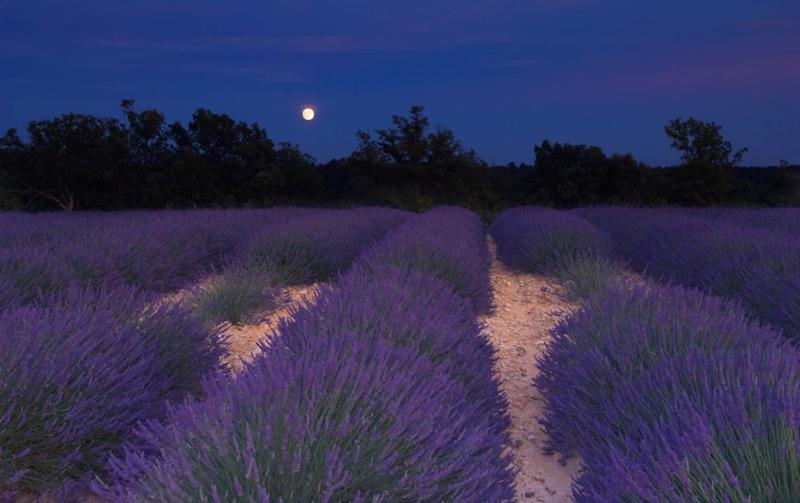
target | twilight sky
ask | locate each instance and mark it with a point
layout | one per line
(503, 74)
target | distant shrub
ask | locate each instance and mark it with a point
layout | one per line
(347, 420)
(237, 296)
(79, 373)
(447, 243)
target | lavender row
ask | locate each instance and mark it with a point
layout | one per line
(381, 391)
(556, 243)
(539, 240)
(77, 374)
(784, 220)
(79, 371)
(758, 268)
(670, 395)
(44, 255)
(665, 393)
(299, 250)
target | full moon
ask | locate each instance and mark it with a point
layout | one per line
(308, 114)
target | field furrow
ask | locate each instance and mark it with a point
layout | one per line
(527, 307)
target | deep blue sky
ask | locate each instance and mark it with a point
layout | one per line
(503, 74)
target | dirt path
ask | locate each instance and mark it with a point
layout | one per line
(243, 339)
(527, 307)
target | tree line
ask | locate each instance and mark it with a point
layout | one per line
(82, 162)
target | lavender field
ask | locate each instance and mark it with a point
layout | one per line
(648, 355)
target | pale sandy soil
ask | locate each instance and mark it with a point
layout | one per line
(243, 339)
(527, 307)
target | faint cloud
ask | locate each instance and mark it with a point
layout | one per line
(260, 73)
(521, 63)
(762, 24)
(729, 70)
(305, 44)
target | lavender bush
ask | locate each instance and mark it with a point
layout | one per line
(447, 243)
(379, 425)
(616, 335)
(783, 220)
(545, 241)
(315, 247)
(308, 248)
(760, 269)
(237, 296)
(717, 426)
(29, 273)
(413, 310)
(153, 251)
(667, 394)
(79, 373)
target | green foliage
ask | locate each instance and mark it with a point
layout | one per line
(236, 297)
(409, 141)
(289, 258)
(706, 174)
(568, 176)
(583, 276)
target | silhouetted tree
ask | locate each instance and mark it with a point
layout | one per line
(150, 151)
(11, 152)
(76, 162)
(409, 141)
(301, 180)
(706, 174)
(568, 176)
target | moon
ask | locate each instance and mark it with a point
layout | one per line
(308, 114)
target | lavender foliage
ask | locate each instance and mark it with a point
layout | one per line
(154, 251)
(758, 268)
(448, 243)
(236, 296)
(546, 241)
(317, 246)
(540, 240)
(380, 391)
(413, 310)
(380, 425)
(616, 335)
(667, 394)
(79, 373)
(704, 426)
